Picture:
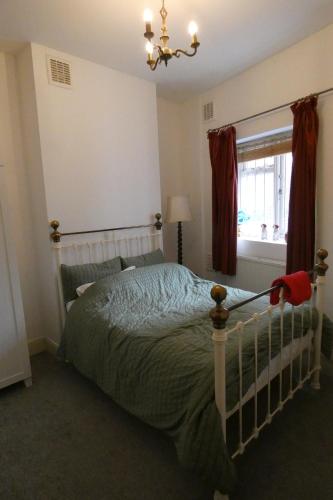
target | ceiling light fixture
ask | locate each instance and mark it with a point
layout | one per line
(164, 52)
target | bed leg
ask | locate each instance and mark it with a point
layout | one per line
(321, 269)
(219, 496)
(28, 382)
(219, 316)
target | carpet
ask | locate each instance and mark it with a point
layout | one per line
(64, 439)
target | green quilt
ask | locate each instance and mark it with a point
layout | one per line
(145, 338)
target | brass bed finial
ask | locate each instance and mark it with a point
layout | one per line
(219, 314)
(55, 235)
(321, 267)
(158, 224)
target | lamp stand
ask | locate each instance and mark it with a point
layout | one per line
(180, 244)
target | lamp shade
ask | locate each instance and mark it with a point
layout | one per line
(178, 209)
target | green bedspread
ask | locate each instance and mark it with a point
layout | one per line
(144, 337)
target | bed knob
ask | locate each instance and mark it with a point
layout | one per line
(55, 235)
(158, 223)
(218, 293)
(321, 267)
(219, 314)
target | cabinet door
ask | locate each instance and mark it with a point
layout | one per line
(14, 358)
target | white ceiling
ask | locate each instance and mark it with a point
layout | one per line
(234, 34)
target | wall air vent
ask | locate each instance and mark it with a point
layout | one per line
(208, 111)
(59, 72)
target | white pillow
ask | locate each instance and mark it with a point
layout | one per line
(69, 305)
(81, 289)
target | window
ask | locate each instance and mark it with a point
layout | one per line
(264, 173)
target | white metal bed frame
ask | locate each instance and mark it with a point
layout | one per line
(311, 348)
(82, 247)
(136, 240)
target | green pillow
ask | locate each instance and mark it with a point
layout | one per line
(75, 276)
(147, 259)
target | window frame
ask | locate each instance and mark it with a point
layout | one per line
(265, 146)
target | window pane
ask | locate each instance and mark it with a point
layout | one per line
(263, 195)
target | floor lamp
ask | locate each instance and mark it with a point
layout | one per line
(178, 210)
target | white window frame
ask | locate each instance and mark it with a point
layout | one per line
(267, 251)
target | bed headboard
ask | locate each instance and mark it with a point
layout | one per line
(98, 245)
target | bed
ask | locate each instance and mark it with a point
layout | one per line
(145, 338)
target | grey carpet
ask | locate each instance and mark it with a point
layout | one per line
(64, 439)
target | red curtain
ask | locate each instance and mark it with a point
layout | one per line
(223, 157)
(301, 223)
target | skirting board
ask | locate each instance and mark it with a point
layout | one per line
(51, 346)
(41, 344)
(36, 346)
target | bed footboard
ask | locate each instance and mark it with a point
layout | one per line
(304, 351)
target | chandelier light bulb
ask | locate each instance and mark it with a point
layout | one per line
(193, 28)
(150, 48)
(147, 16)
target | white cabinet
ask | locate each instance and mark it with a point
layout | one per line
(14, 356)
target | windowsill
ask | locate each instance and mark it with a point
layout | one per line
(263, 242)
(258, 250)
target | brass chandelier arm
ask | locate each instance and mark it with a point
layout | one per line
(153, 64)
(178, 52)
(159, 48)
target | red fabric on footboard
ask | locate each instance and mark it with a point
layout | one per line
(297, 288)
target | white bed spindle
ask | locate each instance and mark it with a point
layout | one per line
(269, 411)
(321, 269)
(256, 318)
(281, 305)
(240, 327)
(310, 337)
(291, 352)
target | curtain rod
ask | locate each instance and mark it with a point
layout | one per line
(288, 104)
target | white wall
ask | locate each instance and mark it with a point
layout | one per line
(88, 156)
(177, 167)
(92, 153)
(298, 71)
(44, 281)
(170, 134)
(11, 155)
(99, 145)
(171, 175)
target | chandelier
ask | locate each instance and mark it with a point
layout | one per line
(163, 52)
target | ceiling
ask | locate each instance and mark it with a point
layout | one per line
(234, 34)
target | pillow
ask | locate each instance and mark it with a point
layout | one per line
(147, 259)
(69, 305)
(74, 276)
(81, 289)
(128, 269)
